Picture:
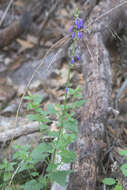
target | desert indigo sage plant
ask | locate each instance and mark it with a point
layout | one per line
(59, 139)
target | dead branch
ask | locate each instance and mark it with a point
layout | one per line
(7, 136)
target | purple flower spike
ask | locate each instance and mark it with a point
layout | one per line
(73, 60)
(73, 34)
(71, 29)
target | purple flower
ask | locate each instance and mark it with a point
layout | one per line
(81, 23)
(79, 35)
(71, 29)
(66, 90)
(78, 57)
(72, 60)
(76, 21)
(73, 34)
(78, 26)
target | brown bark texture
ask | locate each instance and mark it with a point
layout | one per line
(107, 16)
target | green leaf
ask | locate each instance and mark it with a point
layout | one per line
(43, 127)
(24, 148)
(23, 167)
(37, 99)
(71, 125)
(51, 167)
(32, 117)
(70, 138)
(118, 186)
(38, 156)
(124, 169)
(71, 91)
(27, 98)
(69, 106)
(60, 177)
(29, 106)
(7, 177)
(123, 152)
(78, 104)
(43, 180)
(75, 92)
(38, 117)
(39, 152)
(67, 156)
(34, 174)
(51, 109)
(2, 166)
(53, 134)
(8, 188)
(33, 185)
(109, 181)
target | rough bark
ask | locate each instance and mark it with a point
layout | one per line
(97, 92)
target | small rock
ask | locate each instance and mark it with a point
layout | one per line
(10, 109)
(6, 93)
(7, 61)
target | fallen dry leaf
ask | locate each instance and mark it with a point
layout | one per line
(25, 44)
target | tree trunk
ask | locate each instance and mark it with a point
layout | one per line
(110, 16)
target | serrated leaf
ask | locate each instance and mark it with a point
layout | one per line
(29, 106)
(37, 99)
(22, 168)
(75, 92)
(34, 174)
(118, 186)
(71, 91)
(53, 134)
(43, 127)
(32, 117)
(60, 177)
(109, 181)
(7, 176)
(39, 152)
(51, 167)
(124, 169)
(67, 156)
(2, 167)
(33, 185)
(8, 188)
(27, 98)
(71, 125)
(51, 109)
(123, 152)
(78, 104)
(38, 156)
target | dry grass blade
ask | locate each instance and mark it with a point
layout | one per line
(5, 13)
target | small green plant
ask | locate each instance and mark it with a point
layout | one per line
(123, 168)
(59, 139)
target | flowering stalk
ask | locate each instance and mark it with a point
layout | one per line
(76, 35)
